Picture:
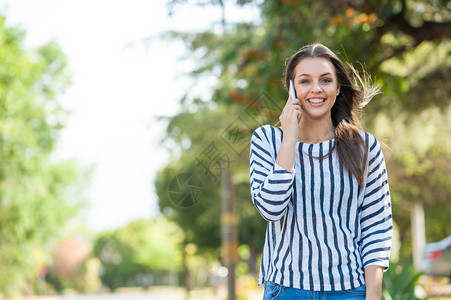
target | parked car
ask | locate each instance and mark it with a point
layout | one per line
(437, 258)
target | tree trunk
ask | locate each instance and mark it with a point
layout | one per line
(253, 260)
(418, 233)
(229, 231)
(186, 273)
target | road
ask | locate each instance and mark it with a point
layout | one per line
(157, 295)
(151, 295)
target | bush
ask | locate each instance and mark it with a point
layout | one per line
(399, 282)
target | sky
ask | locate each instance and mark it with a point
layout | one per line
(121, 80)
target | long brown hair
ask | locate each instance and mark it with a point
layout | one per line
(355, 93)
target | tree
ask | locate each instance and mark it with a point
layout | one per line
(37, 193)
(69, 256)
(140, 248)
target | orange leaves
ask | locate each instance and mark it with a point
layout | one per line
(337, 20)
(277, 82)
(236, 97)
(280, 44)
(350, 12)
(254, 54)
(363, 18)
(250, 60)
(351, 17)
(372, 18)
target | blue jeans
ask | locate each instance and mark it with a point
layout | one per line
(274, 291)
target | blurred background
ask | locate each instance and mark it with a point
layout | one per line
(125, 129)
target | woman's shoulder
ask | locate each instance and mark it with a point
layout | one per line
(267, 132)
(370, 140)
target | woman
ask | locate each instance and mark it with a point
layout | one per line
(321, 184)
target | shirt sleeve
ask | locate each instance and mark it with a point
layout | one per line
(271, 185)
(375, 214)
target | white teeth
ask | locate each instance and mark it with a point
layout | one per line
(316, 100)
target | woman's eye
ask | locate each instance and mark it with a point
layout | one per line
(304, 81)
(326, 80)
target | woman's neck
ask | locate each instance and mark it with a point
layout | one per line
(315, 131)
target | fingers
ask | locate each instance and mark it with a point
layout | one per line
(299, 115)
(289, 104)
(292, 100)
(296, 102)
(289, 108)
(296, 113)
(291, 113)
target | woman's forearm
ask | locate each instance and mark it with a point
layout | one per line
(285, 157)
(373, 281)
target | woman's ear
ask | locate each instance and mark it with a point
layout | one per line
(338, 90)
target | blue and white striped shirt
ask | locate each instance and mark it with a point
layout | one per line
(322, 228)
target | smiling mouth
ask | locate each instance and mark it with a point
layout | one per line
(316, 100)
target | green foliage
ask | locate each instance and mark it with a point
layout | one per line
(419, 162)
(141, 247)
(399, 283)
(37, 193)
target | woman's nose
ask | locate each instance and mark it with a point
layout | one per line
(316, 88)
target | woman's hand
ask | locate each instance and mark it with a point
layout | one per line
(289, 118)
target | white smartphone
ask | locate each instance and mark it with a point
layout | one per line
(292, 91)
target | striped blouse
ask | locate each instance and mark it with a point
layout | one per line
(322, 228)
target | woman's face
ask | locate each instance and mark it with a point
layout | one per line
(316, 87)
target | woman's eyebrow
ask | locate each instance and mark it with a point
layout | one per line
(322, 75)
